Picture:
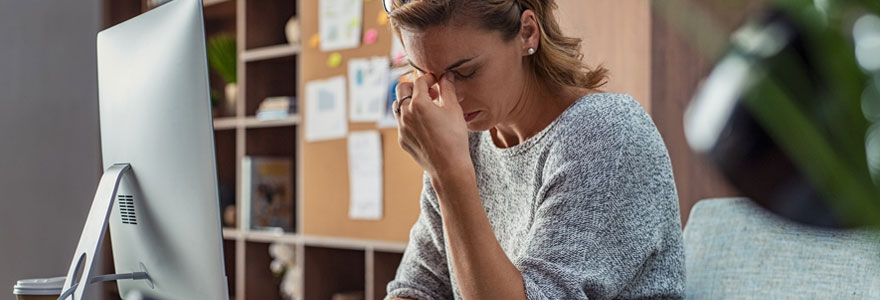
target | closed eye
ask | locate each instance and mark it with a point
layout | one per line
(462, 76)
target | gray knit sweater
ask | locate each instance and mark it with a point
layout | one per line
(585, 209)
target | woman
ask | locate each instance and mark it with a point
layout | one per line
(559, 191)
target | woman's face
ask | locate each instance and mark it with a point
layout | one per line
(489, 72)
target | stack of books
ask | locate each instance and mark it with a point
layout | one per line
(276, 108)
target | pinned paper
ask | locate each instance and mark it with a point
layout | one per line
(383, 18)
(398, 53)
(365, 175)
(314, 41)
(368, 83)
(340, 24)
(325, 109)
(334, 60)
(370, 36)
(388, 120)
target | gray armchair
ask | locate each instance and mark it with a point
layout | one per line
(735, 249)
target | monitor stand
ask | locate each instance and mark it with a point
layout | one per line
(92, 237)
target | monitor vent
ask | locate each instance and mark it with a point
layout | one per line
(126, 209)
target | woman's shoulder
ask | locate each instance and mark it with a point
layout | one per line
(604, 122)
(598, 111)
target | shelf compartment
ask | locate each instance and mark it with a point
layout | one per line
(384, 268)
(265, 22)
(224, 151)
(274, 142)
(260, 283)
(267, 78)
(229, 264)
(220, 18)
(329, 271)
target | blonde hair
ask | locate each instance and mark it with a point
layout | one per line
(558, 60)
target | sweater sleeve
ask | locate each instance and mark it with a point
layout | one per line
(423, 272)
(607, 209)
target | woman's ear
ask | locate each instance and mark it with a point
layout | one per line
(529, 32)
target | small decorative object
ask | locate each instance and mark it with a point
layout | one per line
(292, 31)
(229, 216)
(274, 108)
(284, 266)
(231, 94)
(223, 58)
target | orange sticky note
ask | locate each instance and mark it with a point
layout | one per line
(314, 41)
(383, 18)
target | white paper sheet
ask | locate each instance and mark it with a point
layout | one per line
(325, 109)
(339, 23)
(365, 175)
(368, 88)
(388, 120)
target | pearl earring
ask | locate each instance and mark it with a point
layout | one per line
(531, 51)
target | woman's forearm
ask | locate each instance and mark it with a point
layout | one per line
(482, 269)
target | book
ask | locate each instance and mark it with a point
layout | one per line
(267, 193)
(275, 108)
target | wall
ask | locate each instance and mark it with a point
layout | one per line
(49, 151)
(616, 35)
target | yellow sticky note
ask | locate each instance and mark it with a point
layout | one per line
(383, 18)
(315, 41)
(334, 60)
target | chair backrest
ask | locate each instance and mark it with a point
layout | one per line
(735, 249)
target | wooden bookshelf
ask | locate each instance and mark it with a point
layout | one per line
(330, 262)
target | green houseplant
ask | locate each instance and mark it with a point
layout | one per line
(801, 134)
(222, 55)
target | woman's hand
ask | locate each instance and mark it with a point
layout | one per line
(431, 124)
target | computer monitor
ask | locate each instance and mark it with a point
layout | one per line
(159, 193)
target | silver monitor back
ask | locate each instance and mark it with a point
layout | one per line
(155, 114)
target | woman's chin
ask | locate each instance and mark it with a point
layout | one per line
(478, 125)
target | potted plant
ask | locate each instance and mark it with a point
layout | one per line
(223, 58)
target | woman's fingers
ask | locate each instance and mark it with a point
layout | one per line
(402, 91)
(422, 88)
(434, 92)
(447, 91)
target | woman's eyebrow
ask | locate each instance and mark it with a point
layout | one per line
(450, 67)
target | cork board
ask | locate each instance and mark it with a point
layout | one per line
(325, 181)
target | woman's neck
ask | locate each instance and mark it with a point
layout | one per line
(535, 109)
